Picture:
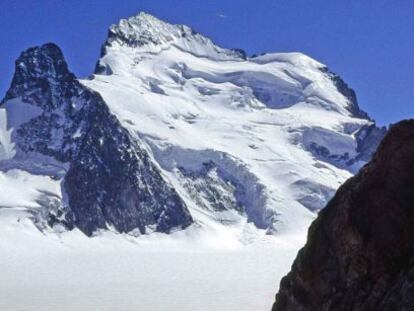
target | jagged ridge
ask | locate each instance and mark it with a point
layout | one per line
(145, 32)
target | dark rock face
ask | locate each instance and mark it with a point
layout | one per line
(210, 188)
(360, 250)
(368, 139)
(111, 180)
(348, 92)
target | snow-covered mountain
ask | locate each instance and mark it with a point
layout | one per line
(173, 131)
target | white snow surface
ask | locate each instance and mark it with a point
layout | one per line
(190, 103)
(6, 145)
(196, 269)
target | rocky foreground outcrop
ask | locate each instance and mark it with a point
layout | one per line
(360, 250)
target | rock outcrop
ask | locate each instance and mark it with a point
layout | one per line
(360, 250)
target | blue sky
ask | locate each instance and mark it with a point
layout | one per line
(369, 43)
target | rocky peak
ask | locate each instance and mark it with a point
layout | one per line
(46, 61)
(38, 70)
(144, 29)
(145, 33)
(348, 93)
(360, 251)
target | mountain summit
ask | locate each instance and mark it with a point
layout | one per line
(172, 130)
(147, 33)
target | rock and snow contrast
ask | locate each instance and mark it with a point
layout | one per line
(173, 134)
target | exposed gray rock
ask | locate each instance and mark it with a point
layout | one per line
(348, 92)
(368, 137)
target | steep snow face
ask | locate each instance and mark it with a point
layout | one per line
(268, 137)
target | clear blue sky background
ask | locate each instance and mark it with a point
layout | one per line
(369, 43)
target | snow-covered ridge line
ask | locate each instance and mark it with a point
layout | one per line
(148, 33)
(133, 40)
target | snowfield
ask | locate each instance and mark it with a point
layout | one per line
(235, 269)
